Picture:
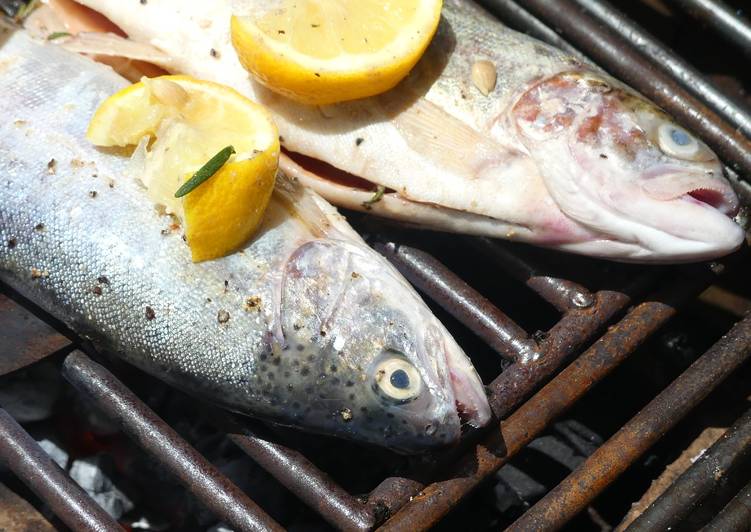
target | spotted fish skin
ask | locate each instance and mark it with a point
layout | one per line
(303, 327)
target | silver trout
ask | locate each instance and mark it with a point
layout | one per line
(306, 326)
(557, 154)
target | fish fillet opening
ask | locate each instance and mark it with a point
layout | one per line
(331, 173)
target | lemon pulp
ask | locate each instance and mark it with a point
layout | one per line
(178, 123)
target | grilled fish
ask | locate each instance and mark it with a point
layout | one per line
(306, 326)
(557, 154)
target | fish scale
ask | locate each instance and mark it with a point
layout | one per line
(293, 328)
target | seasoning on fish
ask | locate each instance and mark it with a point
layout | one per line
(377, 195)
(484, 76)
(317, 348)
(559, 154)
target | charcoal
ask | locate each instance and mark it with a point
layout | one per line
(250, 478)
(94, 474)
(557, 450)
(578, 436)
(220, 527)
(29, 395)
(58, 455)
(94, 420)
(515, 488)
(149, 523)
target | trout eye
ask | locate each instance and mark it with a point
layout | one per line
(679, 143)
(397, 379)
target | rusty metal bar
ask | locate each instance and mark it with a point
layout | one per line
(736, 516)
(458, 298)
(390, 495)
(576, 328)
(640, 433)
(615, 54)
(563, 294)
(17, 514)
(24, 337)
(518, 381)
(436, 500)
(515, 16)
(689, 78)
(727, 21)
(698, 481)
(305, 480)
(43, 476)
(157, 438)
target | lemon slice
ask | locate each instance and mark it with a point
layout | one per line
(325, 52)
(179, 124)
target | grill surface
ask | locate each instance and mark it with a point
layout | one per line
(534, 377)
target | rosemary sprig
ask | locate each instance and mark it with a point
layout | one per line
(25, 10)
(206, 171)
(368, 204)
(57, 35)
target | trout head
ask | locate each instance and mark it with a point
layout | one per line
(619, 166)
(362, 357)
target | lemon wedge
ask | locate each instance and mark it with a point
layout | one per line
(179, 124)
(325, 52)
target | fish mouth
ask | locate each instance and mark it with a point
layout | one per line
(667, 213)
(694, 214)
(457, 389)
(714, 199)
(697, 187)
(470, 400)
(471, 411)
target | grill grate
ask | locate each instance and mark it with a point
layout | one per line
(729, 23)
(416, 501)
(692, 486)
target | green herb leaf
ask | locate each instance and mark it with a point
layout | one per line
(376, 197)
(25, 10)
(206, 171)
(57, 35)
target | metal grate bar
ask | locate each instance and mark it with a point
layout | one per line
(459, 299)
(392, 494)
(436, 500)
(576, 328)
(562, 294)
(518, 17)
(698, 481)
(662, 57)
(43, 476)
(640, 433)
(727, 21)
(25, 338)
(736, 516)
(157, 438)
(305, 480)
(615, 54)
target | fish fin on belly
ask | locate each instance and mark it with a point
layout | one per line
(112, 45)
(396, 207)
(304, 204)
(445, 140)
(87, 32)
